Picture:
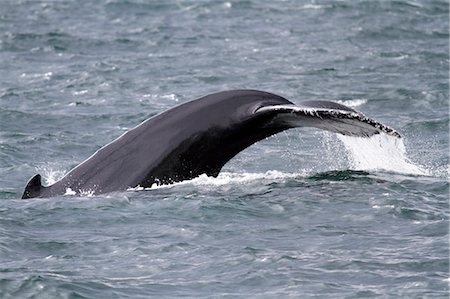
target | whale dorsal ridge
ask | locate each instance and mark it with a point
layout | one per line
(33, 188)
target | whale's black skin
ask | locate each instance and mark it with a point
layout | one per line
(199, 137)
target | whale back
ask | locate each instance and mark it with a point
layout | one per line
(183, 142)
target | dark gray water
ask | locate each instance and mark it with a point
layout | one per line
(302, 214)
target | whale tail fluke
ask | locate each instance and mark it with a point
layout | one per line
(329, 116)
(200, 137)
(33, 187)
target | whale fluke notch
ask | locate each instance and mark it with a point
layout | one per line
(33, 187)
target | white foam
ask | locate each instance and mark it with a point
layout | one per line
(380, 152)
(314, 6)
(353, 103)
(227, 178)
(69, 191)
(83, 193)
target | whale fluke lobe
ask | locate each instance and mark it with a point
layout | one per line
(336, 118)
(200, 137)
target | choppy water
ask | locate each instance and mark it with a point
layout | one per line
(302, 214)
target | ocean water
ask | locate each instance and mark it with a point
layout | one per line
(303, 214)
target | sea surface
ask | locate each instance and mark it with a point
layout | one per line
(303, 214)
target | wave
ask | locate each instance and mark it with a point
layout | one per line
(363, 156)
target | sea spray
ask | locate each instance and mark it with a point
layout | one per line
(51, 172)
(379, 152)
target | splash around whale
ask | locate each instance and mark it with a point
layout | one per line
(200, 137)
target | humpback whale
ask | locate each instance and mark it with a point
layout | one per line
(200, 137)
